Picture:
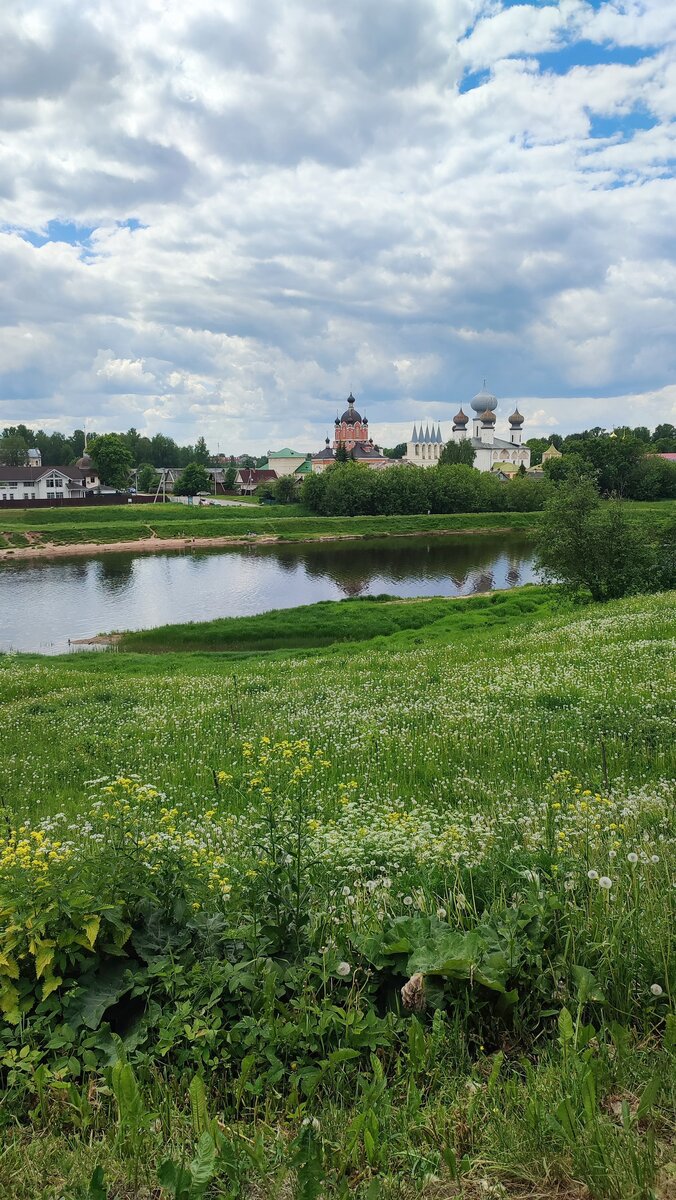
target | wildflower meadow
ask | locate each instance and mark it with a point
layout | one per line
(391, 919)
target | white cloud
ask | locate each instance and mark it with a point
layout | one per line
(322, 210)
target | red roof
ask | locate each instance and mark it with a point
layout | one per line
(252, 475)
(670, 457)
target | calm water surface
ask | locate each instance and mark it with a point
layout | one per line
(44, 603)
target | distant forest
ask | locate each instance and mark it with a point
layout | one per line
(59, 449)
(592, 447)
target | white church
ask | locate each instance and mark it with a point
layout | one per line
(491, 453)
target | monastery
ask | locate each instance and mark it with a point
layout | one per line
(352, 435)
(490, 452)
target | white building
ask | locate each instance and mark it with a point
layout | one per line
(491, 451)
(424, 449)
(49, 483)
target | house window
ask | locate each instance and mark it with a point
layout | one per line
(55, 482)
(50, 496)
(26, 496)
(12, 485)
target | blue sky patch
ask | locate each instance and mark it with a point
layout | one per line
(621, 125)
(472, 80)
(60, 231)
(590, 54)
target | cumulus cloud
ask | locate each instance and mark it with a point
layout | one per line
(219, 218)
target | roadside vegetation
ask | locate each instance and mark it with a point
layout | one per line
(387, 919)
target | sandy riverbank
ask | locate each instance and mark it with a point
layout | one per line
(155, 545)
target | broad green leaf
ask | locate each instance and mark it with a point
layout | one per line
(203, 1164)
(52, 982)
(587, 986)
(650, 1094)
(104, 990)
(340, 1056)
(198, 1105)
(90, 931)
(9, 967)
(566, 1116)
(565, 1025)
(97, 1189)
(9, 1001)
(44, 956)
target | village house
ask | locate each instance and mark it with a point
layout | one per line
(36, 482)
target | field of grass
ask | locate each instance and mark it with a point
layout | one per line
(23, 527)
(391, 918)
(339, 621)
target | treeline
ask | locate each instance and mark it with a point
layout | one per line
(57, 449)
(350, 489)
(590, 442)
(621, 464)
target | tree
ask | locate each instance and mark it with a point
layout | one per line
(201, 453)
(229, 477)
(13, 450)
(163, 451)
(148, 478)
(457, 454)
(193, 479)
(341, 455)
(314, 491)
(590, 545)
(112, 458)
(286, 489)
(397, 451)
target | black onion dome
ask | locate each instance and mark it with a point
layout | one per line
(487, 416)
(350, 416)
(516, 418)
(84, 463)
(460, 418)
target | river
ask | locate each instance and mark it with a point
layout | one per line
(45, 604)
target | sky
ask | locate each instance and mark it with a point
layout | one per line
(219, 218)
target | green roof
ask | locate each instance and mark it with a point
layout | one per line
(285, 453)
(304, 468)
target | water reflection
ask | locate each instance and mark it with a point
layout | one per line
(116, 571)
(44, 603)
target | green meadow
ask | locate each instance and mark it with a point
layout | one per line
(364, 899)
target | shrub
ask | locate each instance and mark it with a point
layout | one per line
(591, 546)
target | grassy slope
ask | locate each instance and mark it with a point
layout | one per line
(484, 701)
(69, 526)
(331, 622)
(133, 522)
(549, 692)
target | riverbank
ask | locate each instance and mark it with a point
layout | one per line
(337, 622)
(269, 532)
(57, 532)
